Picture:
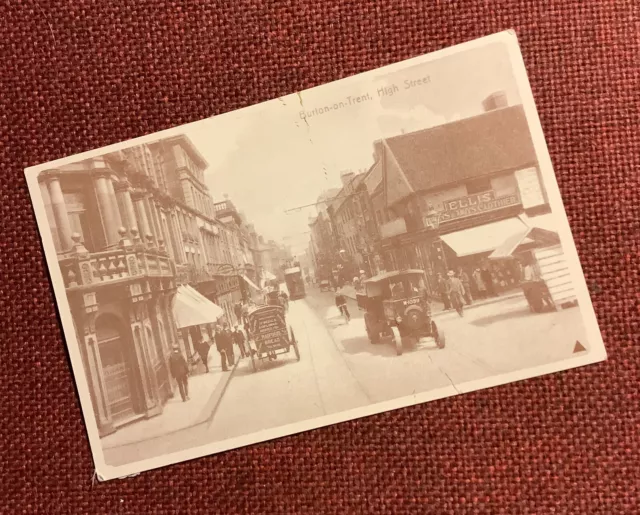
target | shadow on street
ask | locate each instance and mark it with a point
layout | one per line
(264, 365)
(361, 344)
(497, 317)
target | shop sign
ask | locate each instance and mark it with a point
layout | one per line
(530, 188)
(475, 205)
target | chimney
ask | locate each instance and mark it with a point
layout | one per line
(497, 100)
(346, 177)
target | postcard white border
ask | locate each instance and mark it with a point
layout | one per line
(595, 351)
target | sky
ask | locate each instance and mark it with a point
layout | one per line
(269, 158)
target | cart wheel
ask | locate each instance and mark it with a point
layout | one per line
(294, 343)
(397, 340)
(253, 359)
(438, 336)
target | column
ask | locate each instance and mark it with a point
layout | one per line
(142, 217)
(84, 315)
(124, 192)
(114, 203)
(152, 404)
(60, 213)
(104, 187)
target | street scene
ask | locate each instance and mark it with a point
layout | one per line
(341, 370)
(318, 257)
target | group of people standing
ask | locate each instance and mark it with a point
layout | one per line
(458, 288)
(225, 340)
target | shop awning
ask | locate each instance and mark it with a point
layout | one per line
(532, 235)
(192, 308)
(251, 283)
(547, 221)
(483, 238)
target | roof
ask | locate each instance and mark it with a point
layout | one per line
(373, 178)
(491, 142)
(393, 273)
(264, 307)
(190, 148)
(343, 195)
(533, 235)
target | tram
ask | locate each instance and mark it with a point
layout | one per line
(295, 283)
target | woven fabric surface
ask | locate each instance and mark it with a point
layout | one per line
(80, 74)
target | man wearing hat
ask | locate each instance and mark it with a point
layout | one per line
(180, 372)
(455, 291)
(224, 344)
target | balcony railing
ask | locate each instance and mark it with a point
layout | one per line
(99, 268)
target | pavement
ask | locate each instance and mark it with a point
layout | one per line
(205, 392)
(340, 369)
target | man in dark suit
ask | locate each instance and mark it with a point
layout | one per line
(224, 344)
(238, 339)
(180, 372)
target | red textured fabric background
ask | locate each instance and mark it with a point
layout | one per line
(80, 74)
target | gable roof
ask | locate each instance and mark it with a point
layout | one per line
(491, 142)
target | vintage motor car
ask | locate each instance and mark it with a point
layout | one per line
(397, 307)
(325, 286)
(269, 333)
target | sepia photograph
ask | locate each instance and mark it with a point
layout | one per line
(389, 239)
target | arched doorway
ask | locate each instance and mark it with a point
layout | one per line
(115, 366)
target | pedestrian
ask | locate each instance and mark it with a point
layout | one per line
(487, 278)
(455, 290)
(245, 311)
(284, 298)
(443, 291)
(229, 343)
(203, 351)
(223, 343)
(237, 310)
(239, 339)
(180, 372)
(341, 304)
(478, 282)
(466, 282)
(536, 290)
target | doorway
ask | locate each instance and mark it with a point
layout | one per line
(115, 367)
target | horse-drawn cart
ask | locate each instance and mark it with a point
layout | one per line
(270, 335)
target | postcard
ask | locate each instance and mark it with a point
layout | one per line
(385, 240)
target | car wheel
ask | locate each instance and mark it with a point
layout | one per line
(397, 340)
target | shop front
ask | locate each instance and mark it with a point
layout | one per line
(469, 249)
(195, 317)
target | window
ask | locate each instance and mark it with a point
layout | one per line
(77, 214)
(478, 185)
